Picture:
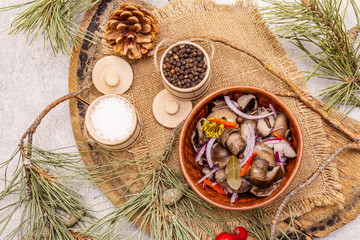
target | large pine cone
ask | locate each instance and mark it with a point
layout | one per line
(131, 30)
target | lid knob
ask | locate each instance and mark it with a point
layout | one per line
(171, 107)
(112, 79)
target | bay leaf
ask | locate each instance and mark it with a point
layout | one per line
(232, 171)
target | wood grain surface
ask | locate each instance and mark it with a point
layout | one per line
(319, 222)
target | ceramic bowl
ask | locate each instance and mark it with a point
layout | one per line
(192, 171)
(187, 93)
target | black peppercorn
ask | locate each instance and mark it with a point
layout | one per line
(184, 66)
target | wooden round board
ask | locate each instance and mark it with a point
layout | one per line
(317, 223)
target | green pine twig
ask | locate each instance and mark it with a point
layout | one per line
(320, 23)
(54, 20)
(48, 206)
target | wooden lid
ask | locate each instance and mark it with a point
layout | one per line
(170, 111)
(112, 75)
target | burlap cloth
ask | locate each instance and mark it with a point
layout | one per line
(242, 25)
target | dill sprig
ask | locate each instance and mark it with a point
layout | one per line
(320, 23)
(54, 19)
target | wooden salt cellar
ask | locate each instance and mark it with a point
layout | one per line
(123, 144)
(170, 111)
(112, 75)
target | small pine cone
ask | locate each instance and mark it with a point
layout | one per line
(70, 220)
(45, 235)
(131, 30)
(352, 34)
(171, 196)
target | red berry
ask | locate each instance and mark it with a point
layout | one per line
(224, 236)
(240, 233)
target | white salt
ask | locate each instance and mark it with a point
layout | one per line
(112, 119)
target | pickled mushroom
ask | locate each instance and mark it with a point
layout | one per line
(247, 103)
(265, 152)
(265, 125)
(231, 138)
(225, 114)
(220, 155)
(281, 121)
(198, 137)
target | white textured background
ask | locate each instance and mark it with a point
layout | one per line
(31, 77)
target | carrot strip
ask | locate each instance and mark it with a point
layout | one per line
(282, 138)
(216, 187)
(223, 122)
(247, 165)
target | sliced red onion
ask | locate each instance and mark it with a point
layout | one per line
(200, 153)
(209, 174)
(276, 128)
(257, 138)
(244, 115)
(235, 103)
(250, 145)
(279, 158)
(214, 183)
(229, 190)
(233, 197)
(273, 110)
(280, 163)
(204, 186)
(208, 152)
(272, 140)
(243, 180)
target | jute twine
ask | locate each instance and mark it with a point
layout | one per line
(241, 24)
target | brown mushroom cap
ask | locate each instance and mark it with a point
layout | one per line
(225, 114)
(284, 149)
(266, 153)
(244, 128)
(218, 104)
(198, 137)
(265, 125)
(231, 138)
(258, 171)
(247, 102)
(220, 155)
(220, 175)
(264, 192)
(281, 121)
(274, 178)
(245, 186)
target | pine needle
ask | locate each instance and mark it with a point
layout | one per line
(54, 20)
(320, 23)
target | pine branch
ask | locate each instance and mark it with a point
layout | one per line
(147, 209)
(31, 130)
(320, 168)
(49, 206)
(54, 19)
(320, 23)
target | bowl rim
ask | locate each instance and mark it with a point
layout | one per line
(293, 173)
(190, 89)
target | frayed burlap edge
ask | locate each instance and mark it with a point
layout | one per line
(289, 68)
